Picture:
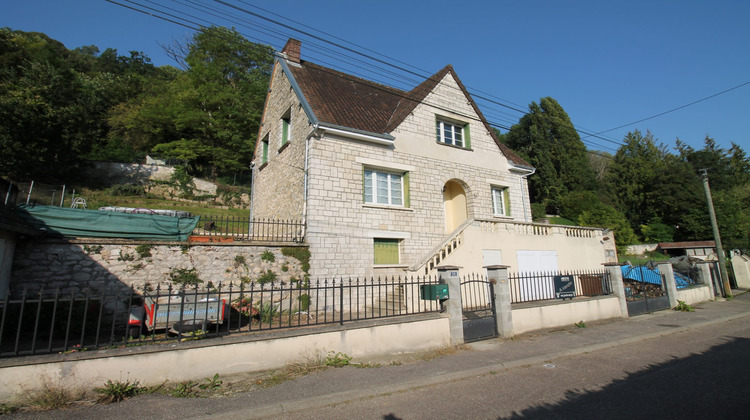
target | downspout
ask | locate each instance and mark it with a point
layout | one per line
(304, 192)
(523, 194)
(252, 197)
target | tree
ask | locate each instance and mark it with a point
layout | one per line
(547, 139)
(611, 218)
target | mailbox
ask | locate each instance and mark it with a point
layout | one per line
(433, 292)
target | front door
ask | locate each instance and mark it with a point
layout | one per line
(454, 198)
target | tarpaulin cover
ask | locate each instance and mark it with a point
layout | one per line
(79, 223)
(648, 275)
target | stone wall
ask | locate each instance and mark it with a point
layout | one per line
(101, 266)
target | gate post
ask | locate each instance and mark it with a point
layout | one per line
(448, 274)
(704, 274)
(498, 276)
(618, 287)
(665, 267)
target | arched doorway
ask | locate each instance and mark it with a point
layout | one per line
(454, 199)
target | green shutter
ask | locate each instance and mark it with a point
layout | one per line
(467, 137)
(284, 131)
(386, 251)
(407, 201)
(265, 151)
(506, 197)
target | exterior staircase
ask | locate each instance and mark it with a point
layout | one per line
(438, 254)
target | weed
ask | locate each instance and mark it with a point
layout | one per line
(245, 279)
(185, 248)
(285, 268)
(267, 312)
(267, 277)
(581, 324)
(304, 302)
(730, 297)
(118, 390)
(50, 397)
(143, 250)
(93, 249)
(267, 256)
(301, 254)
(7, 408)
(125, 257)
(337, 359)
(184, 390)
(239, 260)
(212, 383)
(184, 277)
(135, 267)
(683, 307)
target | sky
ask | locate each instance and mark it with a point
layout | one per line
(608, 63)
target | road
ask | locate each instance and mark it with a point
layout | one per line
(703, 373)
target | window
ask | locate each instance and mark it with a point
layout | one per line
(454, 134)
(386, 251)
(501, 201)
(264, 155)
(285, 130)
(387, 188)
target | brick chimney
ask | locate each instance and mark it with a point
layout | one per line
(292, 50)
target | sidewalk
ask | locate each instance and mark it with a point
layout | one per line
(346, 384)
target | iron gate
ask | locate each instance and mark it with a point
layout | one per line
(645, 290)
(478, 307)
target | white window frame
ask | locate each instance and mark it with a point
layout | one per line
(454, 128)
(499, 197)
(392, 197)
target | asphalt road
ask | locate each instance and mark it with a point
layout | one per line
(700, 374)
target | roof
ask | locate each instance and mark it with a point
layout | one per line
(688, 244)
(348, 101)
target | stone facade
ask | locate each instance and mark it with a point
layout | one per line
(100, 266)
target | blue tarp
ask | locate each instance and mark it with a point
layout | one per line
(648, 275)
(79, 223)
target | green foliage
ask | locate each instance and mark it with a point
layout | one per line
(285, 268)
(50, 396)
(267, 256)
(239, 260)
(574, 203)
(581, 324)
(212, 383)
(302, 254)
(124, 256)
(337, 359)
(267, 312)
(538, 211)
(185, 389)
(609, 217)
(267, 277)
(657, 232)
(304, 302)
(92, 249)
(183, 181)
(127, 190)
(118, 390)
(184, 277)
(144, 250)
(547, 139)
(683, 307)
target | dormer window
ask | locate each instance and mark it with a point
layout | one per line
(452, 133)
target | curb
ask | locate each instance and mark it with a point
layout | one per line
(288, 406)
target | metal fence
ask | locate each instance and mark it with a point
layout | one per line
(43, 323)
(244, 228)
(529, 287)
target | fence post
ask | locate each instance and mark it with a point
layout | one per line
(449, 274)
(618, 287)
(665, 267)
(498, 275)
(704, 276)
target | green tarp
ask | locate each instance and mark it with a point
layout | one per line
(78, 223)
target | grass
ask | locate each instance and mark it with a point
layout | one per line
(643, 259)
(562, 221)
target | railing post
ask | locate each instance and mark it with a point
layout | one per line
(665, 267)
(498, 276)
(618, 288)
(449, 275)
(704, 275)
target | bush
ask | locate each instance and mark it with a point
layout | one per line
(267, 256)
(267, 277)
(538, 211)
(143, 250)
(184, 277)
(301, 254)
(127, 190)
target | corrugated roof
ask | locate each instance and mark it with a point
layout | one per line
(687, 244)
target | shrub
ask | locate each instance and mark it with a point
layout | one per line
(267, 277)
(118, 391)
(127, 190)
(144, 250)
(267, 312)
(301, 254)
(304, 302)
(184, 277)
(267, 256)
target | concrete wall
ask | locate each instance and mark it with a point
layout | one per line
(577, 248)
(152, 365)
(565, 314)
(693, 295)
(741, 268)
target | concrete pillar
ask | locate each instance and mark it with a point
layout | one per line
(618, 287)
(665, 268)
(498, 276)
(449, 274)
(704, 276)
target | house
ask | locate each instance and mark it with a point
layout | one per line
(702, 250)
(392, 182)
